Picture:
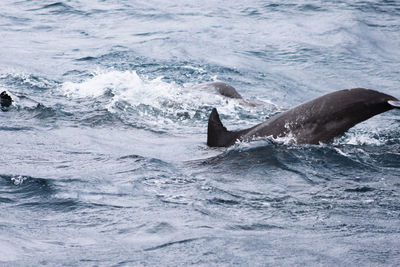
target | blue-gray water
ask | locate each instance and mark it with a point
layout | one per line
(103, 160)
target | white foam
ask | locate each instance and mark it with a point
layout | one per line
(18, 180)
(288, 139)
(100, 82)
(341, 152)
(263, 141)
(358, 138)
(168, 98)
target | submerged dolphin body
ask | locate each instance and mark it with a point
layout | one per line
(221, 88)
(229, 91)
(319, 120)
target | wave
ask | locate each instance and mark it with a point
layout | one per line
(45, 193)
(24, 81)
(24, 188)
(58, 8)
(154, 103)
(305, 161)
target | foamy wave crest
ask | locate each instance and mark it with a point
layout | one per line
(359, 138)
(149, 98)
(351, 138)
(100, 83)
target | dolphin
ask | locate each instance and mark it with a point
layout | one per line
(5, 99)
(316, 121)
(229, 91)
(221, 88)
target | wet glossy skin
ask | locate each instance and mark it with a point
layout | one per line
(319, 120)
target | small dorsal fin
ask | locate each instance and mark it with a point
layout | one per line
(394, 103)
(218, 135)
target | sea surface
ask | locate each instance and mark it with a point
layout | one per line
(103, 155)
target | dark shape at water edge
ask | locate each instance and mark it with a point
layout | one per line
(319, 120)
(5, 100)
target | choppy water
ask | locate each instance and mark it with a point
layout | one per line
(103, 160)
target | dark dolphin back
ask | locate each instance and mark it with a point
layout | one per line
(322, 119)
(319, 120)
(225, 89)
(337, 112)
(221, 88)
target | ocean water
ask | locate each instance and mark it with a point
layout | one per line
(103, 156)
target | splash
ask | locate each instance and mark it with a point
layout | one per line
(359, 138)
(154, 101)
(100, 82)
(18, 180)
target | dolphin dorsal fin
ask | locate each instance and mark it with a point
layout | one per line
(394, 103)
(217, 134)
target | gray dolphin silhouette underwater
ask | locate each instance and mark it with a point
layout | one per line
(221, 88)
(229, 91)
(314, 122)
